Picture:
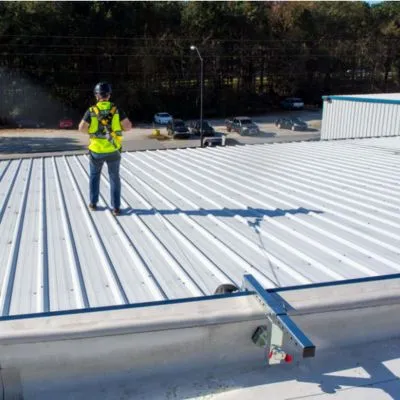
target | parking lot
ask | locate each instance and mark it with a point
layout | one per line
(16, 143)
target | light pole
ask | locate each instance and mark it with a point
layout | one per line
(201, 94)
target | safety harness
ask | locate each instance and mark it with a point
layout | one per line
(105, 118)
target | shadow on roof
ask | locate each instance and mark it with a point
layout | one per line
(224, 212)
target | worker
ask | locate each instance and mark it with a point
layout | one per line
(105, 122)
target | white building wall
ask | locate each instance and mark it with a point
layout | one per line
(361, 116)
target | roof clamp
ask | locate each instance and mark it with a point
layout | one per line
(280, 330)
(270, 337)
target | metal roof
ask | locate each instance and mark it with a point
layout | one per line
(289, 214)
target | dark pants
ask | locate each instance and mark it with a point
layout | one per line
(96, 163)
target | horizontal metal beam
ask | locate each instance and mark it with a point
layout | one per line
(343, 282)
(277, 312)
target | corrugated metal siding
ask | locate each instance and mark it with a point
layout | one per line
(195, 218)
(343, 119)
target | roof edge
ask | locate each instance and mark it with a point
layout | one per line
(361, 99)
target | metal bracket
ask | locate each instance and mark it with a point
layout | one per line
(279, 325)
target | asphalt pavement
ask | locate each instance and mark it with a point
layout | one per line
(18, 143)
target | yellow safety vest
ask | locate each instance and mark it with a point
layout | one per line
(105, 128)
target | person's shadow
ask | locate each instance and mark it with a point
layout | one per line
(249, 212)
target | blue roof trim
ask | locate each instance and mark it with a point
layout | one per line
(337, 283)
(195, 299)
(123, 306)
(362, 99)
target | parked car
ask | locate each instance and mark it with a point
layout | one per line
(242, 125)
(295, 124)
(219, 139)
(66, 123)
(194, 128)
(292, 103)
(177, 129)
(162, 118)
(28, 123)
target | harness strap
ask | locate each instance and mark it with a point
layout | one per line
(106, 122)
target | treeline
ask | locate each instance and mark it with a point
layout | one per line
(255, 53)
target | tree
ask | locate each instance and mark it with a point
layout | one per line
(254, 53)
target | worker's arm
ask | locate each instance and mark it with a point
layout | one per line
(126, 124)
(83, 127)
(85, 123)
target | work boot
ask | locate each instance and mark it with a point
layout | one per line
(92, 207)
(116, 212)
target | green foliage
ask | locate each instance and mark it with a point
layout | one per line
(255, 53)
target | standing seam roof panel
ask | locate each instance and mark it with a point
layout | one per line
(289, 214)
(355, 265)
